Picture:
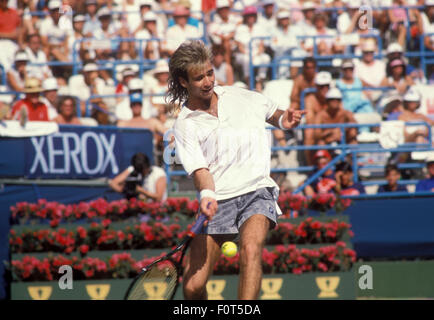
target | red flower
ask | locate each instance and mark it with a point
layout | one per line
(106, 222)
(84, 249)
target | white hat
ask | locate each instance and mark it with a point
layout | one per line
(283, 14)
(161, 66)
(394, 47)
(267, 2)
(347, 64)
(323, 77)
(21, 56)
(334, 93)
(222, 4)
(90, 67)
(54, 4)
(308, 5)
(429, 3)
(79, 18)
(369, 46)
(135, 84)
(412, 96)
(50, 84)
(149, 16)
(354, 4)
(103, 12)
(128, 72)
(149, 3)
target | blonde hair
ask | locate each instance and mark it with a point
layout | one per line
(189, 55)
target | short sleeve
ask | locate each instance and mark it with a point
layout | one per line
(187, 147)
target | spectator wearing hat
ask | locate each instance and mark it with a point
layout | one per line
(49, 98)
(369, 70)
(392, 175)
(180, 31)
(122, 86)
(224, 74)
(326, 182)
(35, 54)
(345, 184)
(10, 29)
(351, 88)
(123, 108)
(92, 22)
(417, 134)
(304, 26)
(191, 19)
(67, 111)
(55, 30)
(397, 76)
(16, 75)
(314, 103)
(243, 34)
(306, 79)
(78, 21)
(87, 84)
(105, 35)
(158, 89)
(283, 41)
(31, 107)
(428, 183)
(222, 29)
(149, 29)
(334, 113)
(268, 20)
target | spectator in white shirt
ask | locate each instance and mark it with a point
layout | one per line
(268, 19)
(55, 30)
(49, 97)
(17, 74)
(181, 31)
(150, 49)
(243, 35)
(105, 34)
(37, 55)
(92, 23)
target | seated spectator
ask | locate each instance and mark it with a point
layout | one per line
(92, 22)
(224, 74)
(122, 86)
(395, 51)
(10, 29)
(30, 108)
(334, 113)
(37, 55)
(18, 73)
(78, 21)
(314, 103)
(243, 34)
(428, 183)
(151, 49)
(123, 109)
(107, 31)
(303, 81)
(181, 31)
(49, 98)
(159, 89)
(268, 17)
(55, 30)
(222, 29)
(392, 176)
(417, 134)
(88, 84)
(369, 70)
(396, 76)
(326, 45)
(305, 26)
(345, 184)
(141, 180)
(326, 182)
(67, 111)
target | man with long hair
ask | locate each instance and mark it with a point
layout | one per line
(222, 142)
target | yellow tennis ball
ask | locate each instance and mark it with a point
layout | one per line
(229, 249)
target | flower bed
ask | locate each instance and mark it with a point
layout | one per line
(99, 236)
(55, 213)
(283, 259)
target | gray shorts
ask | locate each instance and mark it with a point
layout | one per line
(232, 213)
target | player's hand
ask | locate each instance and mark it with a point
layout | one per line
(291, 118)
(208, 206)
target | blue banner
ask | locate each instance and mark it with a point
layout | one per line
(74, 152)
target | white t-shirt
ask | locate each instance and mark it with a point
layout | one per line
(371, 74)
(235, 147)
(150, 182)
(176, 35)
(56, 34)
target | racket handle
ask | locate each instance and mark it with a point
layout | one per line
(198, 224)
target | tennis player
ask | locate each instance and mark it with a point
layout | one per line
(222, 142)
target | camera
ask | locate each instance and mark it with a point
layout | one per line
(132, 181)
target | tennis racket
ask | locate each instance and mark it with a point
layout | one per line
(160, 279)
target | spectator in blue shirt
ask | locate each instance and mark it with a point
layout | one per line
(344, 180)
(427, 184)
(392, 176)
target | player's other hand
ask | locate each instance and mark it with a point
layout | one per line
(292, 118)
(208, 206)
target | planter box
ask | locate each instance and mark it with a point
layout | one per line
(320, 286)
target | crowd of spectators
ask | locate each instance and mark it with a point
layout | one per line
(106, 62)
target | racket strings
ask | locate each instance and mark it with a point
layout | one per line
(158, 283)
